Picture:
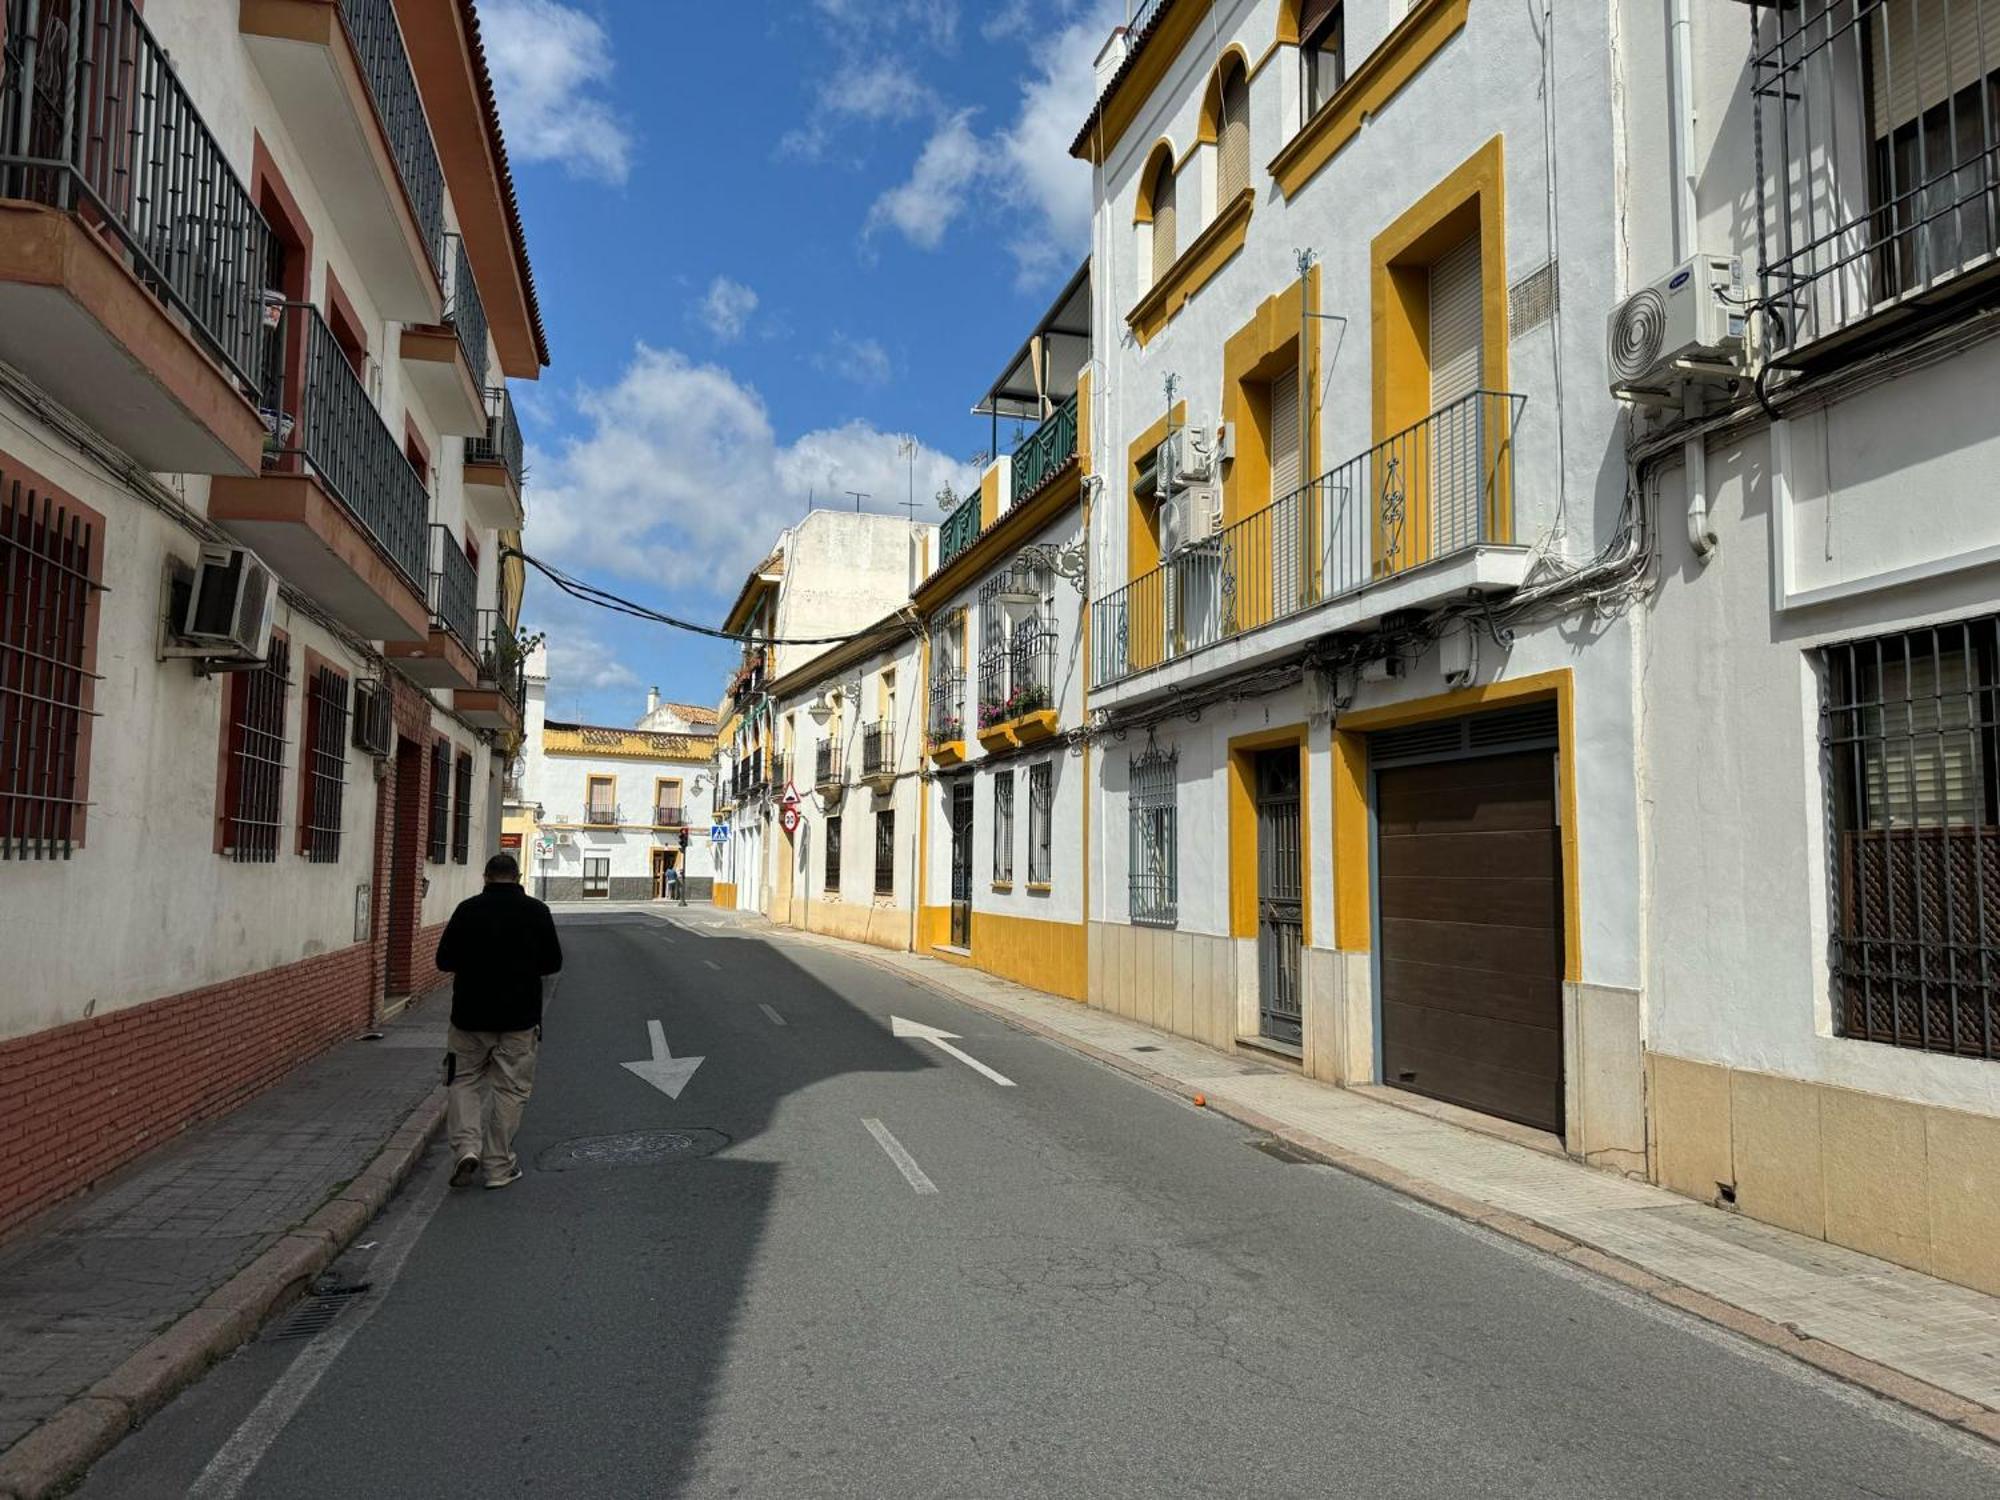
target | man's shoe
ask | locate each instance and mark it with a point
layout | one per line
(513, 1176)
(463, 1173)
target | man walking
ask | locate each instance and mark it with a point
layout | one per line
(497, 946)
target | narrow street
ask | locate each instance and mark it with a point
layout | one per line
(866, 1267)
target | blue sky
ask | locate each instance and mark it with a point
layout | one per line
(771, 238)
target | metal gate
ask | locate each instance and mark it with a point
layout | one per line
(961, 864)
(1280, 896)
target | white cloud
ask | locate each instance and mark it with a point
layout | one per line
(549, 63)
(725, 308)
(862, 361)
(580, 662)
(939, 186)
(680, 478)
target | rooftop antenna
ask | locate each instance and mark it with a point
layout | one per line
(907, 448)
(859, 496)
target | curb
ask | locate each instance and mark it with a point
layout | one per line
(1885, 1381)
(61, 1448)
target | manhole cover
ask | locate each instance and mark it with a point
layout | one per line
(634, 1148)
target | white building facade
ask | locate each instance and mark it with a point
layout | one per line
(309, 361)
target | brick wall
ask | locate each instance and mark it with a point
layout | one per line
(81, 1100)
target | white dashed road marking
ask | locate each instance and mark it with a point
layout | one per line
(713, 964)
(905, 1163)
(776, 1019)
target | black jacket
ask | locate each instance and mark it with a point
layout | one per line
(497, 946)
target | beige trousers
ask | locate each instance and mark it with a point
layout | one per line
(493, 1072)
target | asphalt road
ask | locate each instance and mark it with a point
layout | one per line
(1105, 1293)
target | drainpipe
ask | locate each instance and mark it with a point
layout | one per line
(1694, 452)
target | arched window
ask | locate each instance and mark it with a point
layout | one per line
(1233, 136)
(1322, 53)
(1163, 218)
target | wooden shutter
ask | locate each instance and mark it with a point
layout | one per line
(1233, 167)
(1285, 457)
(1456, 324)
(1163, 223)
(1923, 52)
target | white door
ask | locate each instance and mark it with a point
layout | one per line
(1455, 440)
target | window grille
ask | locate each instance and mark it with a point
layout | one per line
(885, 853)
(1003, 828)
(833, 855)
(461, 811)
(253, 794)
(48, 590)
(1155, 854)
(1910, 732)
(440, 799)
(323, 784)
(1041, 796)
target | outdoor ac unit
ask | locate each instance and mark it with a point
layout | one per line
(562, 840)
(373, 724)
(1194, 455)
(221, 610)
(1190, 515)
(1686, 326)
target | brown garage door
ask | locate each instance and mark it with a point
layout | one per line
(1470, 885)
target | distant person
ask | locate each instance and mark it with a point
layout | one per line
(497, 947)
(680, 885)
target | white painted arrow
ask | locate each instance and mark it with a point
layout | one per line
(942, 1040)
(664, 1071)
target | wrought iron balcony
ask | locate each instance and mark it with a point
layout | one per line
(325, 421)
(960, 529)
(502, 442)
(94, 121)
(465, 314)
(827, 768)
(1018, 678)
(669, 815)
(502, 662)
(1044, 452)
(875, 757)
(946, 722)
(378, 43)
(1442, 487)
(781, 770)
(602, 815)
(454, 588)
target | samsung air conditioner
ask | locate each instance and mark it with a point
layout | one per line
(1687, 326)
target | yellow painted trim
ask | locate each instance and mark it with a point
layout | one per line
(1194, 268)
(1416, 39)
(1352, 855)
(590, 780)
(1139, 517)
(1255, 355)
(1277, 43)
(1287, 29)
(1001, 541)
(1115, 113)
(1142, 203)
(1208, 131)
(1036, 951)
(1243, 826)
(1005, 887)
(1471, 199)
(1039, 887)
(989, 496)
(722, 895)
(1083, 389)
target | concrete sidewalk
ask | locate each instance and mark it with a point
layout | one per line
(110, 1302)
(1928, 1343)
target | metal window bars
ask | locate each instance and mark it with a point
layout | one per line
(1154, 853)
(781, 770)
(831, 879)
(502, 662)
(461, 810)
(1910, 741)
(254, 818)
(1041, 823)
(945, 723)
(502, 442)
(95, 122)
(454, 588)
(325, 774)
(440, 825)
(463, 311)
(668, 815)
(1877, 138)
(885, 852)
(1439, 487)
(875, 759)
(827, 769)
(378, 44)
(1003, 827)
(321, 417)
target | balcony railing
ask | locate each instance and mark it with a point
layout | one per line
(827, 770)
(465, 312)
(96, 122)
(875, 757)
(1879, 131)
(669, 815)
(1019, 677)
(781, 769)
(960, 529)
(502, 662)
(1435, 489)
(946, 723)
(454, 588)
(325, 420)
(378, 43)
(502, 443)
(1043, 453)
(602, 815)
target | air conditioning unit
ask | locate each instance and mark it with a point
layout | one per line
(563, 840)
(1194, 455)
(1687, 326)
(219, 611)
(373, 725)
(1191, 514)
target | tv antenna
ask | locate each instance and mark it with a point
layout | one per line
(859, 496)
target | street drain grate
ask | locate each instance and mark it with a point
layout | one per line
(315, 1312)
(634, 1148)
(1282, 1151)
